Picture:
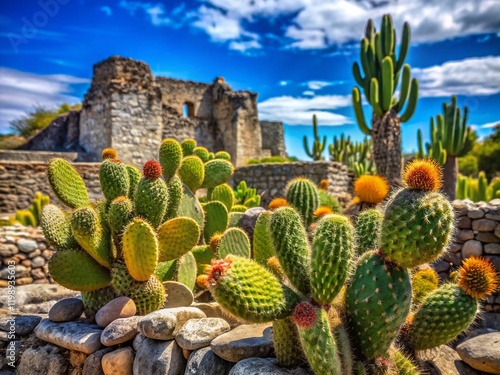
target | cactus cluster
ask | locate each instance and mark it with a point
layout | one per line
(31, 215)
(318, 146)
(477, 189)
(143, 232)
(450, 138)
(351, 316)
(245, 196)
(357, 155)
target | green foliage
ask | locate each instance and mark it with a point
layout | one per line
(468, 165)
(318, 147)
(39, 118)
(488, 154)
(271, 159)
(245, 197)
(30, 216)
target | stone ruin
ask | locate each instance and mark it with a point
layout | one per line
(129, 109)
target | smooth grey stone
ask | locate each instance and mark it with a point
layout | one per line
(24, 324)
(198, 333)
(66, 310)
(178, 295)
(92, 365)
(205, 362)
(159, 358)
(245, 341)
(26, 246)
(482, 352)
(77, 336)
(120, 331)
(263, 366)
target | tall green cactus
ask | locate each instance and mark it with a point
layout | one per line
(357, 155)
(450, 138)
(382, 73)
(317, 147)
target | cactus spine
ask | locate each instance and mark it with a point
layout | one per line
(382, 71)
(318, 147)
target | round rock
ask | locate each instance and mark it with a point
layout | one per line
(482, 352)
(244, 342)
(263, 366)
(118, 362)
(158, 325)
(24, 324)
(26, 246)
(120, 331)
(472, 248)
(178, 295)
(198, 333)
(205, 362)
(121, 307)
(66, 310)
(159, 358)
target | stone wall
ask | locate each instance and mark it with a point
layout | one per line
(16, 155)
(271, 179)
(25, 250)
(20, 180)
(477, 234)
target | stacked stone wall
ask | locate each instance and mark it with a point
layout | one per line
(20, 180)
(271, 179)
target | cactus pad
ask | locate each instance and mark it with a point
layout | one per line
(56, 227)
(170, 156)
(114, 179)
(176, 237)
(140, 249)
(217, 172)
(192, 172)
(67, 184)
(234, 241)
(216, 219)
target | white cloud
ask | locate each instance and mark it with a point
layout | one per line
(319, 23)
(243, 46)
(299, 111)
(21, 91)
(471, 77)
(489, 125)
(317, 85)
(107, 10)
(284, 83)
(156, 12)
(308, 93)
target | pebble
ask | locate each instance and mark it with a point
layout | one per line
(205, 362)
(263, 366)
(120, 331)
(178, 295)
(492, 248)
(66, 310)
(24, 324)
(26, 246)
(159, 358)
(482, 352)
(475, 214)
(139, 338)
(244, 342)
(93, 365)
(118, 362)
(464, 235)
(158, 325)
(120, 307)
(78, 336)
(198, 333)
(37, 262)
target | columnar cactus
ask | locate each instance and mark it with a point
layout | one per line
(318, 147)
(382, 71)
(302, 194)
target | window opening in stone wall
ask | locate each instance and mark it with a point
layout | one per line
(188, 109)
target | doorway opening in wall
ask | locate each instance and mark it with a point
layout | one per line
(188, 109)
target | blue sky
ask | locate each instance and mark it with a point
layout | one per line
(297, 54)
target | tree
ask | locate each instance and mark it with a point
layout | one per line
(39, 118)
(382, 72)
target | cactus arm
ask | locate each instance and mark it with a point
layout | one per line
(405, 88)
(358, 111)
(364, 57)
(357, 75)
(374, 97)
(387, 83)
(412, 102)
(388, 34)
(405, 45)
(306, 147)
(421, 153)
(378, 48)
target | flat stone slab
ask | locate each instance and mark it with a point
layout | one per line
(482, 352)
(264, 366)
(77, 336)
(198, 333)
(245, 341)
